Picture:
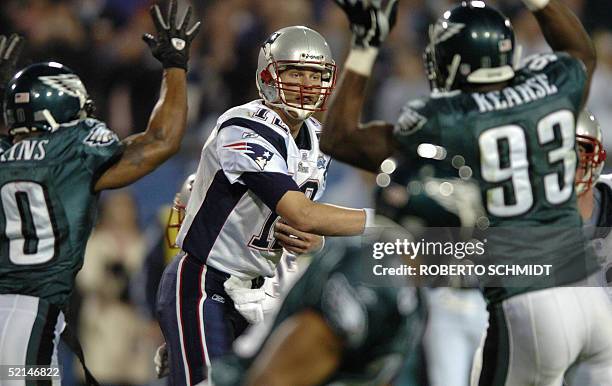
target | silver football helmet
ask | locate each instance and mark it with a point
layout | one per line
(592, 153)
(291, 47)
(177, 212)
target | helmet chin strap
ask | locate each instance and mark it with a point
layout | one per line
(296, 113)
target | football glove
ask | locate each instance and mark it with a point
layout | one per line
(161, 361)
(10, 49)
(370, 22)
(171, 45)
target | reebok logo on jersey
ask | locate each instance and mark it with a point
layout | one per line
(218, 298)
(100, 136)
(259, 154)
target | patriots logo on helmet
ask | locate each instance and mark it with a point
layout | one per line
(256, 152)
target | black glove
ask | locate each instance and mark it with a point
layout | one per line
(370, 23)
(171, 46)
(9, 54)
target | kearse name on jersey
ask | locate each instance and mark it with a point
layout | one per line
(533, 89)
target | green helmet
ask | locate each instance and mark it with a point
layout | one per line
(43, 97)
(470, 44)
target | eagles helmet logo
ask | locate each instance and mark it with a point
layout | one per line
(67, 83)
(444, 30)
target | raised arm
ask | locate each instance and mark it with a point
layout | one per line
(10, 49)
(343, 137)
(145, 151)
(564, 32)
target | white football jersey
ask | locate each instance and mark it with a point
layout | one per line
(602, 244)
(227, 225)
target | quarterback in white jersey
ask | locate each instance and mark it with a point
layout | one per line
(595, 195)
(261, 162)
(244, 168)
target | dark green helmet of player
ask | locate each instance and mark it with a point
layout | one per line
(42, 97)
(470, 44)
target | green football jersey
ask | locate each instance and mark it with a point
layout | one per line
(49, 208)
(380, 321)
(518, 144)
(5, 143)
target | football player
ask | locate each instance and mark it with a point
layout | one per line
(594, 198)
(261, 161)
(512, 130)
(338, 325)
(58, 160)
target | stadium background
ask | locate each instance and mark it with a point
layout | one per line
(101, 41)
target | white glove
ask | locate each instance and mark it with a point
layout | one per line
(161, 361)
(248, 301)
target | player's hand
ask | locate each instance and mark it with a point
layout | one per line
(370, 21)
(171, 45)
(161, 361)
(296, 241)
(10, 49)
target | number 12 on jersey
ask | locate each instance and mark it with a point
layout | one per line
(265, 239)
(513, 195)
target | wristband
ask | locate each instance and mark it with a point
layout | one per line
(361, 60)
(370, 215)
(536, 5)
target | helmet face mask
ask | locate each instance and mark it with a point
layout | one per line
(43, 97)
(470, 44)
(297, 48)
(591, 152)
(176, 215)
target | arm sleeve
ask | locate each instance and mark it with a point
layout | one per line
(575, 74)
(566, 72)
(242, 150)
(270, 187)
(100, 147)
(416, 125)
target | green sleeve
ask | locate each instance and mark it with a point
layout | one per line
(417, 124)
(99, 146)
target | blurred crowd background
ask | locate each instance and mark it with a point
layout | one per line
(101, 41)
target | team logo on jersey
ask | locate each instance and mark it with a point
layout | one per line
(256, 152)
(100, 136)
(321, 162)
(409, 122)
(67, 83)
